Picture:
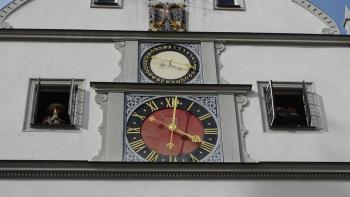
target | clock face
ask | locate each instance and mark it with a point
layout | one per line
(170, 63)
(171, 129)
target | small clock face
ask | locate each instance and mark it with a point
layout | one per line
(172, 129)
(170, 63)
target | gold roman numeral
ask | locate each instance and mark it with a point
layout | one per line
(152, 105)
(152, 156)
(194, 159)
(207, 146)
(130, 130)
(138, 116)
(172, 158)
(211, 131)
(171, 102)
(205, 116)
(138, 145)
(190, 106)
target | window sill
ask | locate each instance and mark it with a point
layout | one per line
(113, 6)
(54, 127)
(295, 128)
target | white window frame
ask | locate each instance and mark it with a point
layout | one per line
(77, 103)
(313, 104)
(118, 4)
(240, 3)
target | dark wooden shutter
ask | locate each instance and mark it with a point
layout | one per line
(270, 104)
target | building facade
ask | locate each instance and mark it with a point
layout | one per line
(271, 76)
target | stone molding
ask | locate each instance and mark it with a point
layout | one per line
(241, 102)
(325, 18)
(330, 171)
(9, 9)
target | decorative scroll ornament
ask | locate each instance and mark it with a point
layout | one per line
(4, 25)
(167, 17)
(101, 99)
(219, 49)
(241, 102)
(120, 46)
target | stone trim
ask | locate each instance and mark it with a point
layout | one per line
(325, 18)
(112, 36)
(185, 171)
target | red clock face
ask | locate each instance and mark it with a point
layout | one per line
(172, 129)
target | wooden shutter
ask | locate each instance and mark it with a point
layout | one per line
(306, 105)
(312, 106)
(270, 104)
(71, 107)
(34, 117)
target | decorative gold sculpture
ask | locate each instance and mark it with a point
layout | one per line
(167, 17)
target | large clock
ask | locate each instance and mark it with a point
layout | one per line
(172, 129)
(170, 63)
(152, 122)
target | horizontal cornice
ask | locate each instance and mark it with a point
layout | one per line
(39, 169)
(105, 87)
(52, 35)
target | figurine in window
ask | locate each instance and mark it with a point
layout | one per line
(293, 118)
(287, 116)
(56, 115)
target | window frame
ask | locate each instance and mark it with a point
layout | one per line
(242, 6)
(76, 89)
(293, 87)
(118, 5)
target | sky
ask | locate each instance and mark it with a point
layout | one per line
(334, 8)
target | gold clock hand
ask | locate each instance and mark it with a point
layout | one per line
(172, 126)
(193, 138)
(187, 65)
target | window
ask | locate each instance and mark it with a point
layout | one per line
(54, 104)
(106, 3)
(290, 105)
(229, 4)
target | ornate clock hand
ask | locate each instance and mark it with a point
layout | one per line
(172, 126)
(193, 138)
(187, 65)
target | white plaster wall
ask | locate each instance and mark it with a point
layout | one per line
(282, 16)
(23, 60)
(328, 67)
(172, 188)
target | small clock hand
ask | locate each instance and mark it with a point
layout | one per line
(187, 65)
(193, 138)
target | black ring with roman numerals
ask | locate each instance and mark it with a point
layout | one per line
(145, 63)
(142, 112)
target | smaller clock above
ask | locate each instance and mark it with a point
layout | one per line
(170, 63)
